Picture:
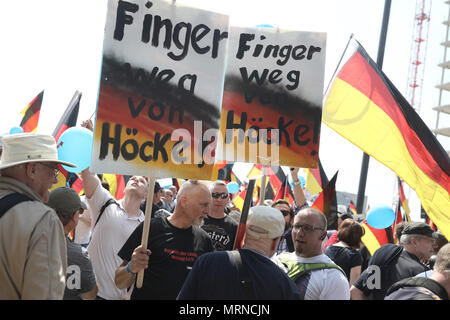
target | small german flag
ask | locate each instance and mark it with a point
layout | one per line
(326, 202)
(31, 113)
(285, 192)
(316, 179)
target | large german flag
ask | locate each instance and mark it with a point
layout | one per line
(31, 113)
(364, 106)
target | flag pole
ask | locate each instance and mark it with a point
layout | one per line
(263, 185)
(380, 57)
(146, 226)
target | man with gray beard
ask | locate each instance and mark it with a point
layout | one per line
(174, 244)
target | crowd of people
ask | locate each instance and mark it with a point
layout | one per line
(286, 252)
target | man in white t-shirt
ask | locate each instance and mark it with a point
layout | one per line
(113, 228)
(316, 275)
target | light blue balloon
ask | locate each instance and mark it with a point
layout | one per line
(264, 26)
(75, 146)
(15, 130)
(380, 217)
(233, 187)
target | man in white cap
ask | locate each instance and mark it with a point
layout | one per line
(33, 248)
(247, 273)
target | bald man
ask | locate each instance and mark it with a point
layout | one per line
(174, 244)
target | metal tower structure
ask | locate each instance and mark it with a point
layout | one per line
(444, 86)
(417, 63)
(418, 53)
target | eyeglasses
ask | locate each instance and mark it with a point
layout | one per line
(306, 228)
(222, 195)
(285, 213)
(55, 170)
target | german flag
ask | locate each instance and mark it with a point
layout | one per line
(402, 200)
(398, 217)
(326, 202)
(316, 179)
(31, 113)
(223, 170)
(375, 238)
(364, 106)
(116, 185)
(68, 120)
(352, 208)
(70, 116)
(285, 192)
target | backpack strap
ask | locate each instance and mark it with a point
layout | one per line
(244, 277)
(9, 201)
(297, 270)
(103, 208)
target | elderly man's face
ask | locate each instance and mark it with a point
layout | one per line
(44, 177)
(424, 247)
(198, 204)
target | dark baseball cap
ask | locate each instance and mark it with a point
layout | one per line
(65, 201)
(420, 228)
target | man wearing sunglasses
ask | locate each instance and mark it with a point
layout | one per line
(316, 275)
(220, 227)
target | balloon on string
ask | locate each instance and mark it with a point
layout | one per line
(233, 187)
(75, 146)
(15, 129)
(380, 217)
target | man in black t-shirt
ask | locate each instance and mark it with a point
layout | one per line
(174, 244)
(219, 226)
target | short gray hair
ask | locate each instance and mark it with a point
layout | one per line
(443, 259)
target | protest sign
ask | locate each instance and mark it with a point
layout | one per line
(272, 100)
(160, 90)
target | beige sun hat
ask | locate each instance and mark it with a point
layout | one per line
(29, 147)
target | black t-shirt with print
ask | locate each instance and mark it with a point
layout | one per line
(173, 252)
(222, 232)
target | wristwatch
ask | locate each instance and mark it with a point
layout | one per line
(296, 183)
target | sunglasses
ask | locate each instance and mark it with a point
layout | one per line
(222, 195)
(285, 213)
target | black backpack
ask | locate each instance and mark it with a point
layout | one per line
(439, 292)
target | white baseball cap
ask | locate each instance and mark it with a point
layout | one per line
(265, 223)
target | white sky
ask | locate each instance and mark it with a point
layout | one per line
(56, 45)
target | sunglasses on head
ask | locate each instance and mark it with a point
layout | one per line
(222, 195)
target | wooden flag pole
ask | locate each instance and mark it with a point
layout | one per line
(245, 209)
(146, 227)
(263, 185)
